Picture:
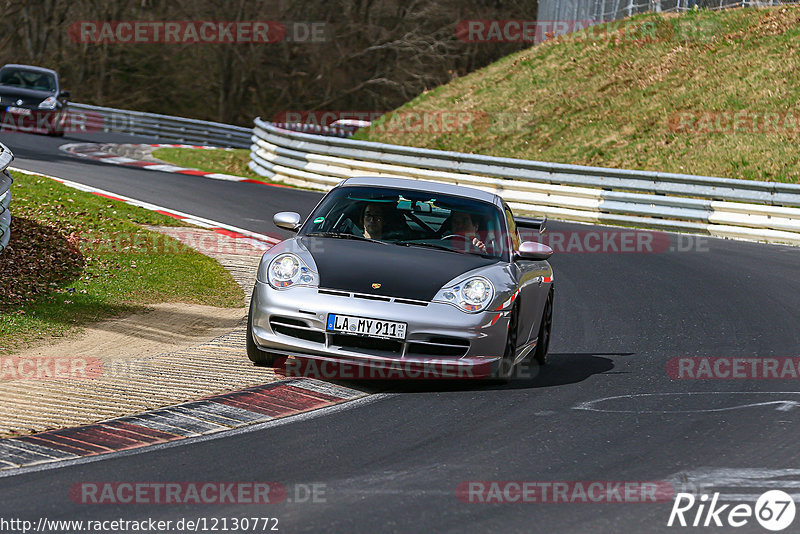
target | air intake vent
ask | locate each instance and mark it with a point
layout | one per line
(372, 297)
(451, 347)
(412, 302)
(296, 328)
(334, 293)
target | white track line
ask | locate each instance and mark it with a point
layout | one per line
(195, 220)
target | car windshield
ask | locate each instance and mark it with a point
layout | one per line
(410, 218)
(28, 79)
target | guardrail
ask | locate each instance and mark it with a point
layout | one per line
(723, 207)
(6, 157)
(86, 118)
(317, 129)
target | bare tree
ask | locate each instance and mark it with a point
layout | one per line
(377, 54)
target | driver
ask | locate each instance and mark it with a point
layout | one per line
(373, 219)
(461, 223)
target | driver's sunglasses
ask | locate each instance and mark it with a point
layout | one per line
(376, 218)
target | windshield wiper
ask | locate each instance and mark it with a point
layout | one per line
(337, 235)
(425, 244)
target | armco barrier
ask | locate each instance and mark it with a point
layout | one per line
(6, 157)
(318, 129)
(162, 127)
(723, 207)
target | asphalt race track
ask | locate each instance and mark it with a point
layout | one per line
(393, 462)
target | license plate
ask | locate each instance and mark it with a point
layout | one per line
(347, 324)
(18, 111)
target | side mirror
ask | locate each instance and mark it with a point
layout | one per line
(288, 220)
(532, 250)
(64, 94)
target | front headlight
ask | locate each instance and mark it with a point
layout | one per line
(471, 296)
(49, 103)
(288, 270)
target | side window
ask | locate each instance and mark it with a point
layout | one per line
(512, 228)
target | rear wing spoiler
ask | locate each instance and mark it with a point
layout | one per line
(538, 224)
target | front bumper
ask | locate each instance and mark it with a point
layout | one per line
(292, 322)
(37, 120)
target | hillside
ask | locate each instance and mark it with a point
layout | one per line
(706, 92)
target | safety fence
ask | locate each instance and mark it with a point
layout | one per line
(6, 157)
(723, 207)
(86, 118)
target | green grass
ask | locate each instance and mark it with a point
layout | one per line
(223, 161)
(76, 258)
(610, 99)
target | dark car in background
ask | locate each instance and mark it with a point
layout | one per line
(31, 100)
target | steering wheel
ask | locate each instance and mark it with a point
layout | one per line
(462, 238)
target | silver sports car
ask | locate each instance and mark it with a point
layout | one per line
(416, 276)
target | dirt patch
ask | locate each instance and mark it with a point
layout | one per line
(167, 327)
(171, 354)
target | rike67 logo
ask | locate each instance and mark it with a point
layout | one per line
(774, 510)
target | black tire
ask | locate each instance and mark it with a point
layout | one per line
(57, 127)
(545, 329)
(505, 365)
(256, 355)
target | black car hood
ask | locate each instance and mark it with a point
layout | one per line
(406, 272)
(28, 96)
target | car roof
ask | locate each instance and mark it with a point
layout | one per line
(423, 185)
(32, 68)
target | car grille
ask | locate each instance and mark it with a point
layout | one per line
(10, 100)
(397, 300)
(367, 344)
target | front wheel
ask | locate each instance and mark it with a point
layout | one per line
(57, 125)
(506, 364)
(546, 327)
(256, 355)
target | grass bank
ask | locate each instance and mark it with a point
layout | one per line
(224, 161)
(707, 92)
(76, 258)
